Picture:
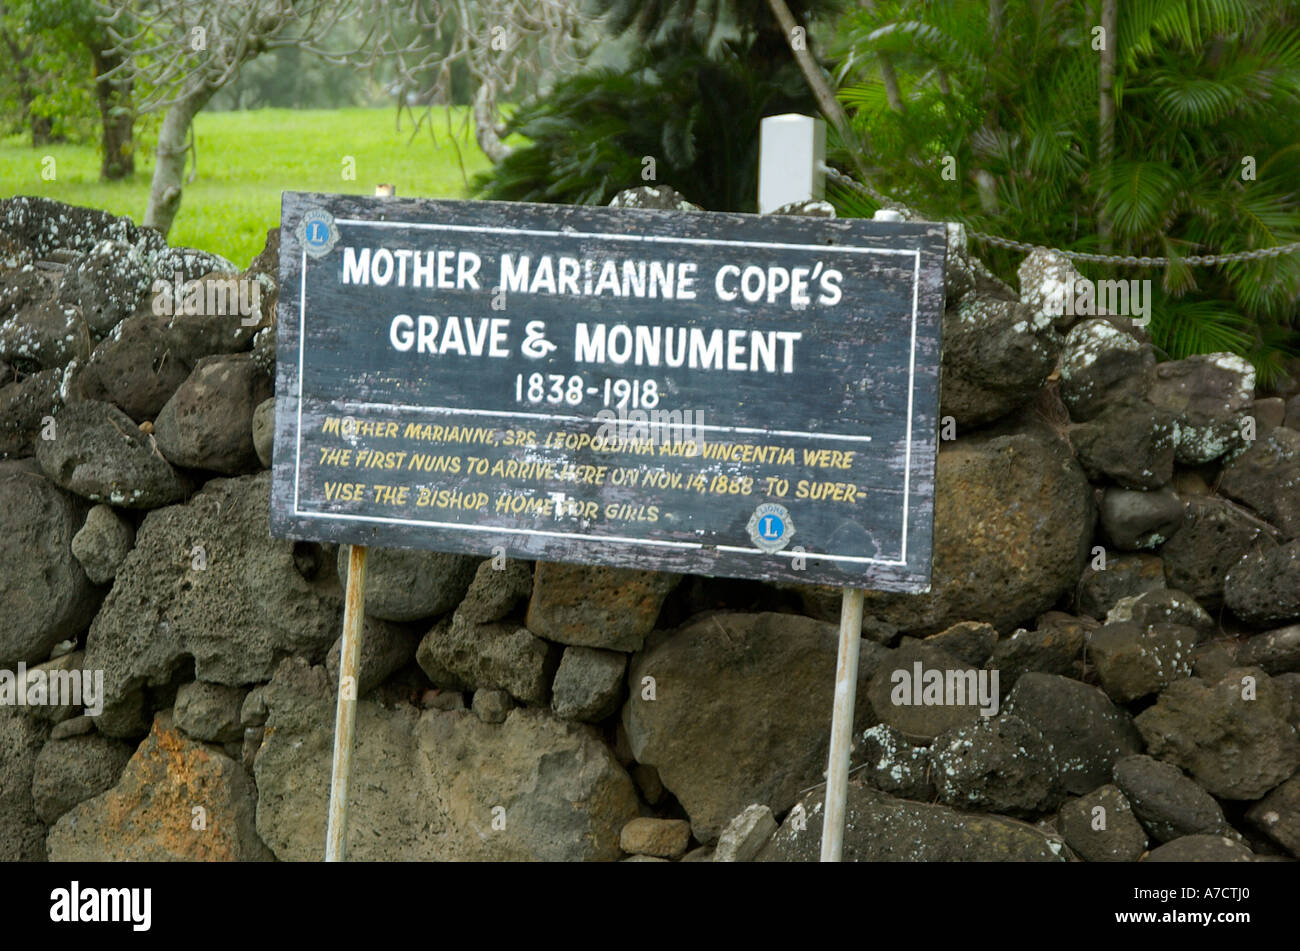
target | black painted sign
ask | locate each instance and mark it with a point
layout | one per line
(718, 394)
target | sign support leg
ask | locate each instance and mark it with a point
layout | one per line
(846, 685)
(345, 714)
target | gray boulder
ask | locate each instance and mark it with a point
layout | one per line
(205, 580)
(208, 422)
(209, 711)
(1233, 736)
(1086, 732)
(1264, 586)
(101, 454)
(1012, 530)
(588, 606)
(1134, 519)
(46, 593)
(1266, 477)
(588, 684)
(70, 771)
(438, 786)
(880, 828)
(102, 543)
(405, 585)
(1207, 394)
(1101, 827)
(731, 710)
(1168, 804)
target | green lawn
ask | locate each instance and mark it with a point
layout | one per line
(245, 159)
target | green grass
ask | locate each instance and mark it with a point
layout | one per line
(246, 159)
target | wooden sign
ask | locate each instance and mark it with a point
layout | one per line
(720, 394)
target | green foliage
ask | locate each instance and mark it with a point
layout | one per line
(1200, 86)
(44, 73)
(696, 115)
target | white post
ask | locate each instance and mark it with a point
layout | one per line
(792, 150)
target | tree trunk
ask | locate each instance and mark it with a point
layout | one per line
(169, 171)
(821, 90)
(1106, 116)
(116, 119)
(486, 131)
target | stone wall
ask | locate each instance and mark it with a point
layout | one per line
(1118, 538)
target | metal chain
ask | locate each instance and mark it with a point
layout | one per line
(1128, 259)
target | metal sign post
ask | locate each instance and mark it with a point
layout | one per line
(846, 688)
(345, 713)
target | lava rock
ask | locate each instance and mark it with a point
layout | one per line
(208, 422)
(1201, 848)
(1134, 520)
(1130, 442)
(662, 838)
(1053, 648)
(1277, 815)
(996, 356)
(1086, 732)
(403, 585)
(997, 764)
(209, 711)
(1266, 477)
(100, 454)
(589, 606)
(1101, 828)
(27, 406)
(46, 593)
(1207, 394)
(1101, 365)
(1264, 586)
(149, 815)
(969, 641)
(385, 649)
(744, 836)
(1277, 652)
(1214, 536)
(893, 694)
(435, 785)
(1135, 660)
(108, 283)
(1233, 736)
(1166, 802)
(1124, 576)
(734, 711)
(880, 828)
(102, 543)
(1162, 606)
(892, 764)
(1012, 530)
(588, 684)
(264, 429)
(70, 771)
(494, 593)
(459, 654)
(22, 834)
(206, 580)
